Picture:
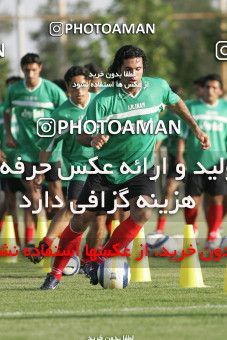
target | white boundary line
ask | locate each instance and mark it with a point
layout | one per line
(109, 310)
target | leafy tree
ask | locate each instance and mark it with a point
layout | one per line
(179, 51)
(156, 46)
(4, 71)
(195, 40)
(76, 50)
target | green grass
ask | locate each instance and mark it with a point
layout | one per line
(76, 310)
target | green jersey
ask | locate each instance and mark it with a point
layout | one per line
(114, 104)
(11, 153)
(72, 151)
(170, 140)
(1, 124)
(30, 105)
(212, 119)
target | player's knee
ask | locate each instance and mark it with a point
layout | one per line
(56, 190)
(54, 186)
(141, 215)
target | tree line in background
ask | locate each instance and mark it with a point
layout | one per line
(179, 51)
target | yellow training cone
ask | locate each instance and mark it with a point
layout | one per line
(139, 264)
(49, 260)
(8, 241)
(190, 271)
(225, 280)
(114, 225)
(41, 232)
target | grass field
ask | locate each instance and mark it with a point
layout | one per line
(76, 310)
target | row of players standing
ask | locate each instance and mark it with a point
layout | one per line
(28, 100)
(209, 110)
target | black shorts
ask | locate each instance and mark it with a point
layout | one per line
(138, 185)
(197, 184)
(50, 176)
(13, 185)
(2, 184)
(74, 190)
(172, 162)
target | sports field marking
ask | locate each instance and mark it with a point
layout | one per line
(109, 310)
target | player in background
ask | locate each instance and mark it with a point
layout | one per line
(138, 98)
(225, 196)
(2, 159)
(210, 114)
(96, 79)
(198, 87)
(171, 143)
(12, 183)
(61, 83)
(74, 154)
(31, 99)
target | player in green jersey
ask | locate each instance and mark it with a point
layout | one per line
(2, 155)
(73, 110)
(11, 183)
(171, 143)
(210, 114)
(31, 99)
(95, 75)
(1, 131)
(132, 98)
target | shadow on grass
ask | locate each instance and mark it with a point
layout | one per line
(21, 289)
(109, 316)
(21, 276)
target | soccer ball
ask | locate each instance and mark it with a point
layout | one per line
(179, 239)
(114, 273)
(155, 242)
(72, 267)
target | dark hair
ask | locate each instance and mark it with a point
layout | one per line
(94, 69)
(76, 71)
(177, 89)
(12, 80)
(61, 84)
(126, 52)
(214, 76)
(30, 58)
(199, 81)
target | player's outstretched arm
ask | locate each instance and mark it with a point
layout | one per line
(180, 150)
(181, 109)
(2, 157)
(43, 158)
(9, 137)
(96, 141)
